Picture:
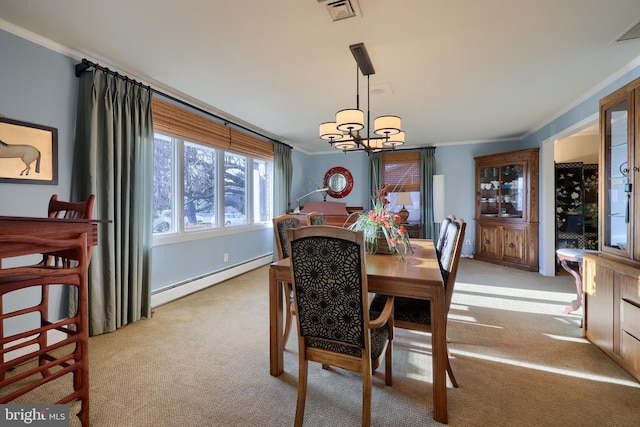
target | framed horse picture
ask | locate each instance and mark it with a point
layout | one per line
(28, 153)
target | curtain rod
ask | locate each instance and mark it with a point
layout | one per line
(86, 64)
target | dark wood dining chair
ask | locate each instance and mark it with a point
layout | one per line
(281, 225)
(415, 314)
(56, 360)
(316, 218)
(335, 325)
(68, 210)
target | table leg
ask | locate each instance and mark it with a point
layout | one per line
(439, 344)
(276, 340)
(577, 303)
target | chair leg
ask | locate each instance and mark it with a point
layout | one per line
(366, 397)
(288, 316)
(450, 371)
(388, 363)
(302, 391)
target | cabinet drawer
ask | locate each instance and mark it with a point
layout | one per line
(631, 289)
(631, 352)
(630, 318)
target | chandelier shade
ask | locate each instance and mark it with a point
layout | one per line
(387, 125)
(350, 120)
(329, 131)
(395, 140)
(347, 134)
(346, 145)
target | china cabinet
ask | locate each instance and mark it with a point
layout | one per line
(507, 209)
(612, 275)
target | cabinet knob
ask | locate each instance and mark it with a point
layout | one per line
(512, 245)
(487, 241)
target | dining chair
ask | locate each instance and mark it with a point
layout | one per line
(442, 234)
(66, 356)
(281, 225)
(316, 218)
(415, 314)
(335, 325)
(67, 210)
(61, 258)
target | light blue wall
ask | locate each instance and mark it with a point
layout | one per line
(38, 85)
(309, 171)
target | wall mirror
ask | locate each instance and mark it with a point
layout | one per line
(339, 182)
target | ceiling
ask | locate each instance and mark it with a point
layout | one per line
(456, 72)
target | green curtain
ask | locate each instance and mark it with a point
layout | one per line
(375, 175)
(283, 170)
(427, 170)
(113, 159)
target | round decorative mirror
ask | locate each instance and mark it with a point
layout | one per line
(339, 182)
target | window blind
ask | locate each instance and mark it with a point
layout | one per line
(401, 170)
(176, 121)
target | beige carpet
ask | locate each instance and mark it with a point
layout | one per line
(519, 361)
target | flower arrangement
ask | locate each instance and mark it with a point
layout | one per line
(379, 223)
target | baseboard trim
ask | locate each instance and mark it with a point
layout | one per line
(174, 292)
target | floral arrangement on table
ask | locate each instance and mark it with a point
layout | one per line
(382, 226)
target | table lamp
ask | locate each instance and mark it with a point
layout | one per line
(403, 199)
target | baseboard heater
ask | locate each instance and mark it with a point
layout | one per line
(178, 290)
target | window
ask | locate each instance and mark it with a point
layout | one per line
(207, 176)
(401, 170)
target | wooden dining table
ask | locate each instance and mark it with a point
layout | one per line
(418, 276)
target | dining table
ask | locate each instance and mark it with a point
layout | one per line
(417, 276)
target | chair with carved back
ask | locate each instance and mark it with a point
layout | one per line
(415, 314)
(68, 355)
(281, 225)
(316, 218)
(330, 279)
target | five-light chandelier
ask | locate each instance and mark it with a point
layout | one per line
(345, 133)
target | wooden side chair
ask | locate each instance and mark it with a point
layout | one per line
(281, 225)
(68, 356)
(415, 314)
(67, 210)
(316, 218)
(335, 325)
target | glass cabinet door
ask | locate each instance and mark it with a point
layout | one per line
(512, 190)
(489, 191)
(616, 179)
(502, 191)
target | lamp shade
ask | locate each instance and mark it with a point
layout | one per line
(387, 125)
(329, 131)
(350, 120)
(347, 144)
(395, 140)
(374, 144)
(404, 198)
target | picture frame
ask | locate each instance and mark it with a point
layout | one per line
(28, 153)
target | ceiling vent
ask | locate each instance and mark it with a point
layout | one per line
(631, 33)
(341, 9)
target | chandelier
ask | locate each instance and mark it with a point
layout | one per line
(346, 133)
